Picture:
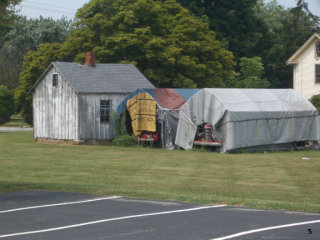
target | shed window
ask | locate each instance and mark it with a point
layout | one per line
(105, 107)
(317, 76)
(318, 49)
(54, 80)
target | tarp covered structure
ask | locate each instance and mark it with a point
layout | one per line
(243, 118)
(150, 106)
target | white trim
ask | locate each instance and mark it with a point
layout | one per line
(291, 59)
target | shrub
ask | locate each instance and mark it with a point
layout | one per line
(125, 141)
(315, 100)
(6, 104)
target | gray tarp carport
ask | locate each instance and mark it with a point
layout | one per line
(243, 118)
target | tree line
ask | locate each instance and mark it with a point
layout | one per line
(174, 43)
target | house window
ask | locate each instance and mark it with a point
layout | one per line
(105, 107)
(317, 70)
(318, 49)
(54, 80)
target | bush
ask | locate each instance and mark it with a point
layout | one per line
(6, 104)
(125, 141)
(315, 100)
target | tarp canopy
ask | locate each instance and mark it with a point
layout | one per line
(243, 118)
(145, 106)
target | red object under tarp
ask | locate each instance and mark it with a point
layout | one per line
(169, 98)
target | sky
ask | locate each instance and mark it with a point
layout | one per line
(56, 9)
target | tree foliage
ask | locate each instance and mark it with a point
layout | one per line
(171, 47)
(34, 65)
(315, 100)
(25, 36)
(288, 29)
(7, 14)
(234, 22)
(259, 28)
(6, 104)
(250, 75)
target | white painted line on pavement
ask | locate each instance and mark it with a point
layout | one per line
(60, 204)
(265, 229)
(109, 220)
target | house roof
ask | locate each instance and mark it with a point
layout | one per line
(103, 78)
(293, 58)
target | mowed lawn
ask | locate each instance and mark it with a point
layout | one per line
(279, 180)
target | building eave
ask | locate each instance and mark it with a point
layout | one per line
(292, 59)
(40, 78)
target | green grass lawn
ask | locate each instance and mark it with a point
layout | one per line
(15, 121)
(280, 180)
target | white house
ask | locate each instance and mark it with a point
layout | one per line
(74, 101)
(306, 67)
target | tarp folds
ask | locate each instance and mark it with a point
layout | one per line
(142, 103)
(243, 118)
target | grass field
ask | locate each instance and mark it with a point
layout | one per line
(15, 121)
(280, 180)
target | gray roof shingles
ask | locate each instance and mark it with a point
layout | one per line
(103, 78)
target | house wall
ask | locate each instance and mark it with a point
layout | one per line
(90, 127)
(55, 109)
(304, 72)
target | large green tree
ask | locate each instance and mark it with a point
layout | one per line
(26, 35)
(171, 47)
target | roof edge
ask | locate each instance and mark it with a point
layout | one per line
(291, 59)
(40, 78)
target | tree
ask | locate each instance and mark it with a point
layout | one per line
(26, 36)
(250, 75)
(315, 100)
(288, 30)
(171, 47)
(234, 22)
(7, 14)
(6, 104)
(34, 65)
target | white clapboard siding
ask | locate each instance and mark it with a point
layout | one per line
(304, 72)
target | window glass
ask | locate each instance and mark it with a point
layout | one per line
(317, 73)
(105, 107)
(54, 80)
(318, 49)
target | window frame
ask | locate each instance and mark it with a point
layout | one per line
(317, 73)
(105, 109)
(55, 77)
(317, 49)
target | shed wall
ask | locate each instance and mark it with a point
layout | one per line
(55, 109)
(89, 112)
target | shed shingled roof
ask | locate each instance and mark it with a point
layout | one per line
(103, 78)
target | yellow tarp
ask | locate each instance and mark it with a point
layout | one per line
(142, 109)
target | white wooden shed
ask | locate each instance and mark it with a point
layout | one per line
(74, 101)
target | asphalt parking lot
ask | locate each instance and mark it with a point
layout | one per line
(55, 215)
